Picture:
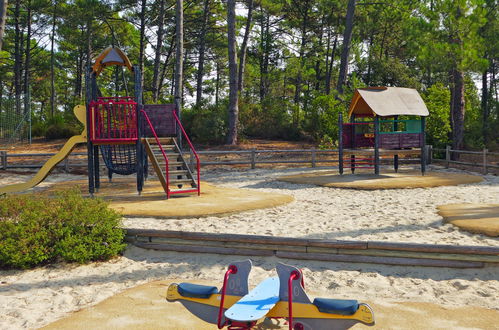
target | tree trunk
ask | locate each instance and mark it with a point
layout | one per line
(244, 47)
(159, 45)
(27, 60)
(457, 109)
(369, 59)
(3, 17)
(166, 62)
(217, 85)
(164, 68)
(52, 64)
(264, 58)
(301, 60)
(79, 73)
(179, 54)
(347, 38)
(318, 70)
(17, 56)
(485, 106)
(202, 46)
(142, 40)
(232, 51)
(331, 63)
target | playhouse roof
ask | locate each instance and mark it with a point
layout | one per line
(387, 101)
(111, 56)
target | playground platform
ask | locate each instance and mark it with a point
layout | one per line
(392, 180)
(152, 202)
(145, 306)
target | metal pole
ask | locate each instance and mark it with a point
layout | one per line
(376, 145)
(340, 143)
(313, 157)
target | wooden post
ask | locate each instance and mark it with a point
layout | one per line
(313, 157)
(66, 165)
(253, 159)
(139, 147)
(376, 145)
(485, 160)
(3, 159)
(447, 156)
(340, 143)
(423, 146)
(396, 157)
(91, 92)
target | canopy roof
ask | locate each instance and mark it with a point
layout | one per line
(387, 101)
(111, 56)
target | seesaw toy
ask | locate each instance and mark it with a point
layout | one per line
(274, 298)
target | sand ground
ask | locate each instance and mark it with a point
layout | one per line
(34, 298)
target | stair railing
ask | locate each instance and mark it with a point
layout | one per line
(167, 174)
(198, 163)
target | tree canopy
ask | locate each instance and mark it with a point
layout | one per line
(298, 61)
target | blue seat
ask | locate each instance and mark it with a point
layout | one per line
(336, 306)
(196, 291)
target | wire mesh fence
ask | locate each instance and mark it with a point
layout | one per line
(15, 119)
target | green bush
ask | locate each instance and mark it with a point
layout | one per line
(37, 230)
(61, 131)
(206, 124)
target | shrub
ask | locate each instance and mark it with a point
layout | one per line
(37, 230)
(61, 131)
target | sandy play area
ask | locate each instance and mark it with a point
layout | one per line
(35, 298)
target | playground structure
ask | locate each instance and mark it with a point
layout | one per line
(374, 129)
(234, 307)
(127, 133)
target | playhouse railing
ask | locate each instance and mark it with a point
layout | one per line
(167, 174)
(113, 120)
(194, 153)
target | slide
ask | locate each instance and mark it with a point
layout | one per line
(79, 111)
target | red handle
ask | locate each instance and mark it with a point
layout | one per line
(232, 270)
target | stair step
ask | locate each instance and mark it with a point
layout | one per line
(178, 172)
(170, 163)
(183, 191)
(176, 181)
(162, 140)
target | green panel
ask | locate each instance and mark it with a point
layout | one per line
(404, 126)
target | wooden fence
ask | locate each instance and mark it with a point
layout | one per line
(252, 158)
(483, 160)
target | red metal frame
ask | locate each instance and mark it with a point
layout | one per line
(198, 163)
(232, 270)
(113, 120)
(293, 276)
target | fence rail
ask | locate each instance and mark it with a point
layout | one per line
(249, 157)
(485, 164)
(254, 157)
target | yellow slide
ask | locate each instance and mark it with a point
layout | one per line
(80, 113)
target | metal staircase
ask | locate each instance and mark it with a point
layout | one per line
(177, 172)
